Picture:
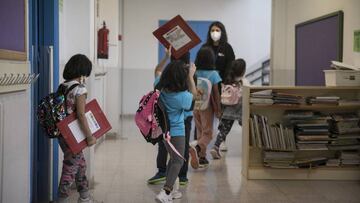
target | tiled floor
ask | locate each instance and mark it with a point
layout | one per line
(123, 165)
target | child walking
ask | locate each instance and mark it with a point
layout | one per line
(162, 155)
(233, 112)
(74, 165)
(175, 82)
(205, 63)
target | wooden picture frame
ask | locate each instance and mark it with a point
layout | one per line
(179, 33)
(13, 32)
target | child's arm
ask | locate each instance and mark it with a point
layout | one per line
(191, 82)
(80, 112)
(160, 67)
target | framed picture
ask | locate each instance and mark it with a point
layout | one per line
(13, 33)
(317, 42)
(177, 33)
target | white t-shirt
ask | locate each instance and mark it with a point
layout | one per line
(75, 92)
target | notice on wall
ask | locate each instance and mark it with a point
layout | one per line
(357, 41)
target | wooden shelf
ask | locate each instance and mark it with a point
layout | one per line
(252, 160)
(304, 107)
(319, 173)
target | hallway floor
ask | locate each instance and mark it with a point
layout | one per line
(123, 165)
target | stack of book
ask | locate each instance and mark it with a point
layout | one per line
(311, 129)
(287, 99)
(333, 162)
(279, 159)
(311, 162)
(350, 158)
(272, 137)
(264, 97)
(349, 102)
(327, 100)
(345, 131)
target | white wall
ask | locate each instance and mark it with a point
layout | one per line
(109, 12)
(288, 13)
(77, 28)
(15, 147)
(247, 23)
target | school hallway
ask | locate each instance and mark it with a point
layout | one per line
(124, 164)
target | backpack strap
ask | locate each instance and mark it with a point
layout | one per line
(167, 138)
(66, 93)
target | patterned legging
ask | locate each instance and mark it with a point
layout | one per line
(224, 128)
(74, 169)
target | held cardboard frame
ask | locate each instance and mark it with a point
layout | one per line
(177, 21)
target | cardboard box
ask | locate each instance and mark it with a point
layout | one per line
(342, 78)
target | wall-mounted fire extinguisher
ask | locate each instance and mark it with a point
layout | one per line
(103, 42)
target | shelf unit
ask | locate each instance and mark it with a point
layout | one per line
(252, 157)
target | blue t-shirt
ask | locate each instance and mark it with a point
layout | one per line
(175, 104)
(211, 75)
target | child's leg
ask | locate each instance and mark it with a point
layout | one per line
(198, 128)
(224, 129)
(69, 170)
(161, 158)
(184, 168)
(81, 181)
(175, 162)
(207, 120)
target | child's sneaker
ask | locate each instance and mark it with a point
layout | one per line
(176, 194)
(85, 200)
(183, 181)
(223, 147)
(203, 162)
(157, 178)
(193, 143)
(215, 153)
(162, 197)
(194, 157)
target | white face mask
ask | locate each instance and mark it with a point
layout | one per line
(215, 35)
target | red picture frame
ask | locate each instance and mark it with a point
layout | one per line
(177, 32)
(67, 134)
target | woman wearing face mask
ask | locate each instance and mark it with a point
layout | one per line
(217, 40)
(224, 54)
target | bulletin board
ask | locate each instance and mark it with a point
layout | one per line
(13, 30)
(317, 42)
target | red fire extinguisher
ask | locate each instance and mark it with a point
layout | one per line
(103, 42)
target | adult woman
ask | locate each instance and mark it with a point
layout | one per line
(218, 41)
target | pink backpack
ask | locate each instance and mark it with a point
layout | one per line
(152, 119)
(230, 94)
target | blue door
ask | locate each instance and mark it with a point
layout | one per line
(199, 27)
(43, 43)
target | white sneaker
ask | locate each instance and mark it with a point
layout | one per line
(193, 143)
(175, 193)
(223, 147)
(86, 200)
(162, 197)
